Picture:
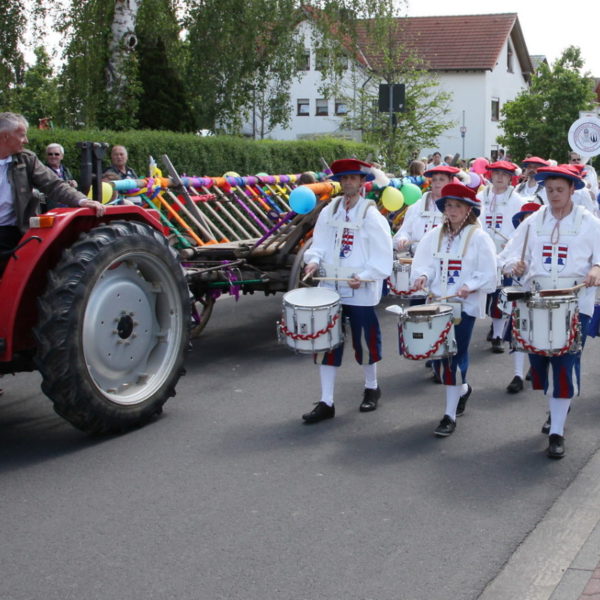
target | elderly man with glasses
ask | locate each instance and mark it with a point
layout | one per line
(20, 172)
(54, 157)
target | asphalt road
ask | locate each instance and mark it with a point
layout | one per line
(229, 496)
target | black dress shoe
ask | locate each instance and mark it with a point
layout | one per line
(515, 386)
(320, 412)
(497, 347)
(370, 400)
(556, 446)
(528, 376)
(462, 402)
(446, 427)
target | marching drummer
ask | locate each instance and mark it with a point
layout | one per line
(499, 202)
(424, 214)
(352, 246)
(457, 259)
(560, 246)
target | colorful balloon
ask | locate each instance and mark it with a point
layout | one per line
(411, 193)
(107, 192)
(475, 181)
(392, 199)
(302, 200)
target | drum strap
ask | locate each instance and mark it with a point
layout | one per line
(343, 227)
(434, 216)
(554, 281)
(447, 257)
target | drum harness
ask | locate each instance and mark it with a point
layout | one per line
(492, 230)
(335, 269)
(535, 194)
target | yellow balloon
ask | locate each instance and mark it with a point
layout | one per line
(107, 192)
(392, 199)
(231, 174)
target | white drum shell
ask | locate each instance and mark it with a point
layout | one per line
(420, 332)
(544, 323)
(400, 278)
(309, 310)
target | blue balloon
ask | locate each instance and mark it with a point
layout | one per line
(302, 200)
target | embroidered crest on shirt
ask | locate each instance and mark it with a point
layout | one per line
(347, 243)
(491, 224)
(454, 269)
(549, 252)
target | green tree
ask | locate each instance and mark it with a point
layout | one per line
(372, 34)
(537, 121)
(38, 95)
(164, 101)
(239, 53)
(12, 63)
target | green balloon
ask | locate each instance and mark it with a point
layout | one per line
(411, 193)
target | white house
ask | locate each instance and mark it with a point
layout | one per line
(481, 59)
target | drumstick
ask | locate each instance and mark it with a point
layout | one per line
(525, 243)
(342, 279)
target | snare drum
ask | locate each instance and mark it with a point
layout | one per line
(400, 277)
(546, 324)
(508, 295)
(311, 320)
(427, 332)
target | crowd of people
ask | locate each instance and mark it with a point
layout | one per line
(476, 231)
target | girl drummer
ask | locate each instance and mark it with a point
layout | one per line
(560, 246)
(457, 259)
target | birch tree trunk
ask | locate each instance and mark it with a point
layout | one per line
(123, 42)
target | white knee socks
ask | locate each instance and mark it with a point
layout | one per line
(498, 328)
(559, 407)
(327, 374)
(453, 394)
(370, 376)
(519, 363)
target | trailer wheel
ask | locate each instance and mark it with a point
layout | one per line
(202, 307)
(295, 279)
(113, 328)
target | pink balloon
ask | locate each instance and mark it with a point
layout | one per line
(475, 181)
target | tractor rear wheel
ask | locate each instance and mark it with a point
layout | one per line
(113, 328)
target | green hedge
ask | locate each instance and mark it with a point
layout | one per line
(203, 156)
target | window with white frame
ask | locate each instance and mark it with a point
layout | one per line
(495, 109)
(321, 107)
(341, 108)
(303, 105)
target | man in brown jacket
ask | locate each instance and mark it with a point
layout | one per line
(20, 172)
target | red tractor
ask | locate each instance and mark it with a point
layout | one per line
(100, 306)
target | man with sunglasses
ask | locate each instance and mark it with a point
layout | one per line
(54, 157)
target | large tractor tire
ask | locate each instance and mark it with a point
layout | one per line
(113, 328)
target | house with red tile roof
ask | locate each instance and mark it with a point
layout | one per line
(481, 59)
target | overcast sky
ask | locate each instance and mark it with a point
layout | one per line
(548, 27)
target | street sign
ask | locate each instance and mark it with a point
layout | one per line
(396, 94)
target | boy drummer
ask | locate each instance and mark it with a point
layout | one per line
(352, 244)
(560, 245)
